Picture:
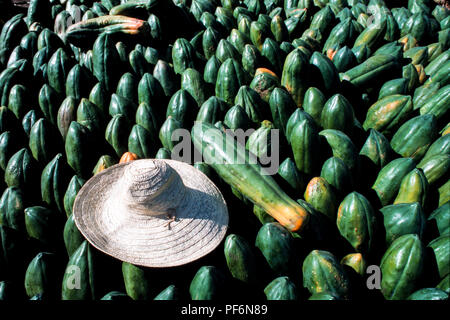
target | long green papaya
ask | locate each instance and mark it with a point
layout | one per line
(84, 33)
(371, 70)
(247, 177)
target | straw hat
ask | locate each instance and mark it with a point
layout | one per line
(152, 212)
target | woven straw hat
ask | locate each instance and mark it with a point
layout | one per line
(152, 212)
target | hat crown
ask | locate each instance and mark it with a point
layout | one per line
(152, 187)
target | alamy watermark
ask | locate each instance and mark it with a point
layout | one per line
(229, 148)
(62, 23)
(376, 14)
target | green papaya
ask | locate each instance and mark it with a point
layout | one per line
(293, 75)
(226, 50)
(355, 261)
(377, 148)
(323, 296)
(356, 222)
(167, 131)
(371, 70)
(322, 273)
(437, 105)
(49, 102)
(313, 104)
(137, 282)
(126, 87)
(441, 216)
(12, 204)
(429, 294)
(169, 293)
(342, 147)
(276, 245)
(403, 218)
(281, 106)
(79, 281)
(295, 118)
(116, 296)
(67, 113)
(236, 118)
(391, 87)
(54, 181)
(260, 141)
(22, 171)
(58, 68)
(124, 106)
(252, 103)
(72, 236)
(140, 142)
(212, 110)
(100, 97)
(240, 258)
(264, 82)
(9, 144)
(19, 100)
(166, 76)
(207, 284)
(78, 149)
(413, 188)
(415, 136)
(43, 141)
(183, 108)
(337, 174)
(73, 187)
(401, 267)
(183, 56)
(281, 288)
(390, 177)
(106, 62)
(44, 225)
(230, 78)
(117, 133)
(288, 171)
(42, 276)
(305, 146)
(251, 59)
(211, 70)
(441, 251)
(387, 114)
(337, 114)
(439, 146)
(444, 284)
(151, 92)
(29, 120)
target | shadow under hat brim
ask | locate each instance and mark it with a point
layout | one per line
(201, 220)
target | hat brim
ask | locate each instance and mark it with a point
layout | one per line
(200, 224)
